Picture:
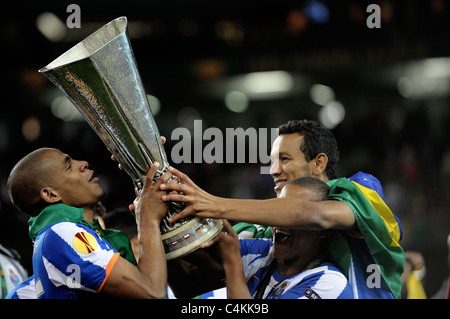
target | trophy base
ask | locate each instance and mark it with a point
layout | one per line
(189, 236)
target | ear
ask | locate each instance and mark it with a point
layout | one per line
(49, 195)
(319, 164)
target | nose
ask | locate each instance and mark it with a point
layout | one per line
(275, 169)
(83, 165)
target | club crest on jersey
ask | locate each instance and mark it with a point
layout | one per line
(279, 290)
(84, 243)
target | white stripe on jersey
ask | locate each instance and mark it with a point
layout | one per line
(67, 232)
(27, 291)
(254, 262)
(59, 279)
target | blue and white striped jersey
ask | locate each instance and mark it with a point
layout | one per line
(322, 282)
(24, 290)
(69, 259)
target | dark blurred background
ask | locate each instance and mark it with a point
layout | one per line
(384, 93)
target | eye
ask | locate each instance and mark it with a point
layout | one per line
(285, 158)
(67, 163)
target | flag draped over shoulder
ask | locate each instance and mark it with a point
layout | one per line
(378, 226)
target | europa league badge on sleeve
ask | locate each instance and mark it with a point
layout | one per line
(100, 76)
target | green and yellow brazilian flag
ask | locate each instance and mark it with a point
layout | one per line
(379, 227)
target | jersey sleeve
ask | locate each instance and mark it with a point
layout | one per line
(75, 256)
(256, 255)
(328, 284)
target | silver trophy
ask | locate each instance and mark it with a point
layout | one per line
(100, 76)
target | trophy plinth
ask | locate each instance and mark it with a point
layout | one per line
(100, 76)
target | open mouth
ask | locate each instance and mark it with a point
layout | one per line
(279, 184)
(93, 178)
(281, 236)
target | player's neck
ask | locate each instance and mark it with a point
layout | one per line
(89, 215)
(288, 267)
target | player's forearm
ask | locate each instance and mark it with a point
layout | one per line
(236, 284)
(280, 212)
(287, 212)
(152, 260)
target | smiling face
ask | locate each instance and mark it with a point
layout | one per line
(288, 161)
(293, 244)
(71, 181)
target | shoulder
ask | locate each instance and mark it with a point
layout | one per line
(344, 190)
(255, 246)
(69, 227)
(75, 241)
(323, 276)
(324, 270)
(337, 181)
(331, 271)
(63, 233)
(328, 282)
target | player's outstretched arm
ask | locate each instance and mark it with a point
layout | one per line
(281, 212)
